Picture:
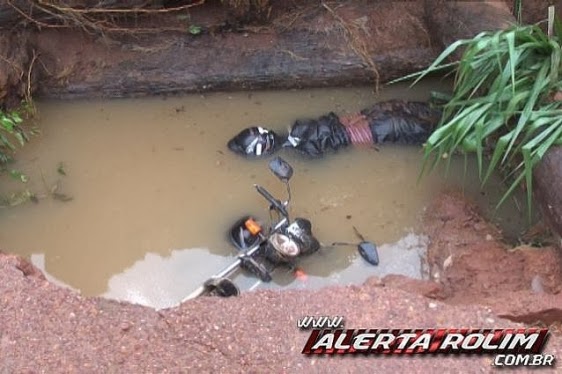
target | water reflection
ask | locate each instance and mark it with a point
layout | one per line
(405, 257)
(163, 281)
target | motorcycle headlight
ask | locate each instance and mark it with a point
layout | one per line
(284, 245)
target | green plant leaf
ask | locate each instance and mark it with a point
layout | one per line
(19, 136)
(508, 193)
(7, 124)
(195, 30)
(16, 117)
(6, 143)
(529, 162)
(535, 92)
(60, 169)
(512, 58)
(500, 106)
(16, 174)
(558, 28)
(12, 127)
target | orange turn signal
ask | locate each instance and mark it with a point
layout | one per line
(300, 275)
(253, 227)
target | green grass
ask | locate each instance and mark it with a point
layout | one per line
(13, 131)
(518, 10)
(501, 106)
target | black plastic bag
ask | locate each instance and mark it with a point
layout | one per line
(401, 122)
(315, 137)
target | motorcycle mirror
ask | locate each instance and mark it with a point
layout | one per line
(281, 169)
(367, 250)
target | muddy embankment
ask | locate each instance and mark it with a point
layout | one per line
(46, 328)
(296, 44)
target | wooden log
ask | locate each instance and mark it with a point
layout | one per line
(349, 44)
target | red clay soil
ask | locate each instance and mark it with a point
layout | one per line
(466, 255)
(472, 265)
(45, 328)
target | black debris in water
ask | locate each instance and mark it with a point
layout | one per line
(369, 252)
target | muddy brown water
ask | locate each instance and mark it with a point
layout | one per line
(154, 190)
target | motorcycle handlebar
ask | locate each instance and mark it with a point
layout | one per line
(273, 201)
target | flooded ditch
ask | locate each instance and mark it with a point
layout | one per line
(154, 190)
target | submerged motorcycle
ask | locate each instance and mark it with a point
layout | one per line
(264, 248)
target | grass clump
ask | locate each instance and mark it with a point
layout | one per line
(503, 103)
(13, 131)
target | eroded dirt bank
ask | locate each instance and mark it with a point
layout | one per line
(299, 44)
(46, 328)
